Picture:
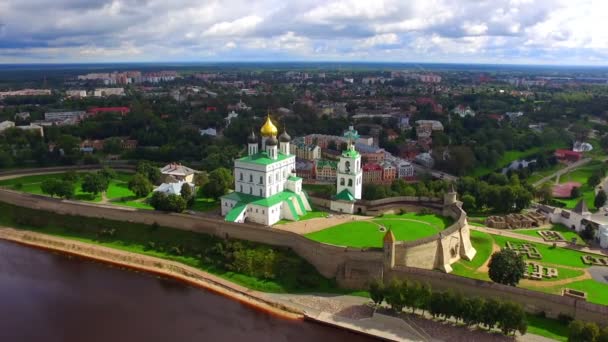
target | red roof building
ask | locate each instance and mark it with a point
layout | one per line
(567, 155)
(97, 110)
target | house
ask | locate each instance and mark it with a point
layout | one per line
(305, 169)
(463, 111)
(208, 131)
(23, 116)
(62, 116)
(325, 170)
(76, 93)
(405, 169)
(305, 151)
(567, 156)
(372, 173)
(178, 172)
(433, 124)
(102, 92)
(97, 110)
(425, 159)
(173, 188)
(389, 171)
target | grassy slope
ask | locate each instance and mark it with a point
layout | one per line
(368, 234)
(309, 215)
(581, 175)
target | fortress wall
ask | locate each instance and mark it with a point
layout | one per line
(532, 301)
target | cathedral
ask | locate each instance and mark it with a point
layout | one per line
(266, 187)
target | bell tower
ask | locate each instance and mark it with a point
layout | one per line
(350, 172)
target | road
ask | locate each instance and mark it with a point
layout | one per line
(558, 173)
(436, 174)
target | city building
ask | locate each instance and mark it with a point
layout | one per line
(76, 93)
(567, 156)
(266, 187)
(22, 116)
(389, 172)
(103, 92)
(325, 170)
(305, 169)
(97, 110)
(62, 116)
(305, 151)
(372, 173)
(425, 159)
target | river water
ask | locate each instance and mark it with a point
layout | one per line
(52, 297)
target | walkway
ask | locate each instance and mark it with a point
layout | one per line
(511, 234)
(558, 173)
(320, 223)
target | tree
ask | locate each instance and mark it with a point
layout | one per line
(600, 199)
(511, 318)
(575, 192)
(94, 183)
(150, 171)
(545, 193)
(468, 202)
(164, 202)
(186, 191)
(395, 296)
(65, 189)
(376, 291)
(49, 186)
(594, 180)
(489, 314)
(583, 332)
(107, 173)
(112, 145)
(200, 179)
(603, 337)
(506, 267)
(140, 185)
(220, 180)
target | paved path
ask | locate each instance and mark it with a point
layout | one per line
(512, 234)
(558, 173)
(316, 224)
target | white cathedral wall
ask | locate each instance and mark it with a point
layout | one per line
(342, 207)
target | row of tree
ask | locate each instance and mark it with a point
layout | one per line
(507, 316)
(497, 194)
(579, 331)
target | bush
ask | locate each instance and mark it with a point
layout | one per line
(506, 267)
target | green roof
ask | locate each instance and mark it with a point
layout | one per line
(235, 212)
(350, 154)
(345, 195)
(262, 158)
(294, 178)
(324, 162)
(261, 201)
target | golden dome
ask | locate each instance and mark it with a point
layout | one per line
(269, 129)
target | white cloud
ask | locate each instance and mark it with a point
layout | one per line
(237, 27)
(381, 39)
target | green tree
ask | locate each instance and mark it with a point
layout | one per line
(489, 313)
(186, 191)
(107, 173)
(220, 181)
(150, 171)
(511, 318)
(603, 337)
(575, 192)
(583, 332)
(594, 180)
(506, 267)
(200, 179)
(600, 199)
(468, 202)
(65, 189)
(94, 183)
(112, 145)
(395, 296)
(71, 176)
(376, 291)
(545, 193)
(140, 185)
(49, 186)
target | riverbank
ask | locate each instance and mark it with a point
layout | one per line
(282, 306)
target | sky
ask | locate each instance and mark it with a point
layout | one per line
(555, 32)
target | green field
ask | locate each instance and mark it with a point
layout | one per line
(547, 327)
(510, 156)
(482, 242)
(568, 234)
(581, 175)
(368, 233)
(538, 175)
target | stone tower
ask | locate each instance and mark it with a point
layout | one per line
(389, 250)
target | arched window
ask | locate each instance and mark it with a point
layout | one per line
(261, 193)
(240, 175)
(341, 181)
(261, 180)
(269, 179)
(350, 182)
(250, 178)
(347, 166)
(241, 188)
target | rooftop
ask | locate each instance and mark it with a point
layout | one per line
(262, 158)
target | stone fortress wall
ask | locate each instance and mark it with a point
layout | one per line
(352, 267)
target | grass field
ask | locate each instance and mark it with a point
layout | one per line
(581, 175)
(482, 242)
(547, 327)
(568, 234)
(309, 215)
(406, 227)
(538, 175)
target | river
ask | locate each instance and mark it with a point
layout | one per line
(53, 297)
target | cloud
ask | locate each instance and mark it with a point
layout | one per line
(513, 31)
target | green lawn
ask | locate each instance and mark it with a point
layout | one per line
(568, 234)
(547, 327)
(205, 204)
(596, 292)
(368, 233)
(538, 175)
(482, 242)
(557, 256)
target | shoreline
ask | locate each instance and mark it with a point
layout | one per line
(156, 266)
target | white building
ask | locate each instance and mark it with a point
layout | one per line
(231, 115)
(102, 92)
(349, 177)
(173, 188)
(266, 187)
(574, 219)
(61, 116)
(208, 131)
(425, 159)
(76, 93)
(4, 125)
(580, 146)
